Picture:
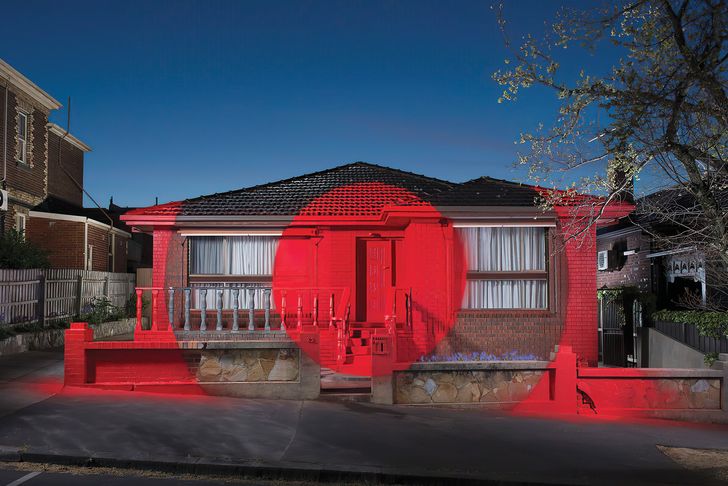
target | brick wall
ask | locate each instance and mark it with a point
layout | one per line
(63, 240)
(169, 264)
(637, 268)
(59, 182)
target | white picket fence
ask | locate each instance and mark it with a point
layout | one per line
(32, 295)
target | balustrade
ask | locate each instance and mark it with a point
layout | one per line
(228, 302)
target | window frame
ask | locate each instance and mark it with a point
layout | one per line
(527, 275)
(23, 119)
(197, 278)
(18, 218)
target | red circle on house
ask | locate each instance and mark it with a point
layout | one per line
(368, 277)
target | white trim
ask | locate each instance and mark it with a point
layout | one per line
(229, 233)
(21, 217)
(28, 87)
(85, 245)
(671, 252)
(507, 224)
(77, 219)
(61, 132)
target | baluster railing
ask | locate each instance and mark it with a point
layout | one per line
(139, 306)
(315, 311)
(283, 311)
(171, 307)
(299, 313)
(187, 292)
(266, 297)
(203, 310)
(155, 295)
(251, 309)
(236, 304)
(218, 326)
(331, 311)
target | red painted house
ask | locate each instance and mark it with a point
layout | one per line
(361, 249)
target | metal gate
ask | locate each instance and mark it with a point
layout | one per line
(611, 330)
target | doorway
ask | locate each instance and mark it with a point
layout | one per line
(375, 276)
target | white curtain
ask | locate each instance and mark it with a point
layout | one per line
(505, 294)
(251, 255)
(504, 249)
(206, 255)
(510, 249)
(232, 255)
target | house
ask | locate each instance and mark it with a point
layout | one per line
(648, 254)
(451, 267)
(42, 178)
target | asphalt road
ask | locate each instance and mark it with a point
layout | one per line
(38, 417)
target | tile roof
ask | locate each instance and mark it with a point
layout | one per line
(359, 188)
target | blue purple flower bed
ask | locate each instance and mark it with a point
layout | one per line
(478, 356)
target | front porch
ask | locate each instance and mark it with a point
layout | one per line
(261, 313)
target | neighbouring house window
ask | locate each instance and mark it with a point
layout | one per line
(228, 262)
(22, 137)
(90, 257)
(20, 224)
(507, 268)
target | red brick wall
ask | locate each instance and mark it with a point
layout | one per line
(169, 269)
(636, 270)
(63, 240)
(59, 182)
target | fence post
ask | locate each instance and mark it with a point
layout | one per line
(107, 287)
(266, 296)
(79, 294)
(171, 307)
(41, 304)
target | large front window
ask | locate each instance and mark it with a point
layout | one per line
(507, 268)
(231, 261)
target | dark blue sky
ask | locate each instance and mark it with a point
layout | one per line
(183, 98)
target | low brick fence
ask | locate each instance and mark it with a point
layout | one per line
(253, 367)
(558, 386)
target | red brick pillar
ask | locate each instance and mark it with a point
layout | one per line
(75, 371)
(580, 314)
(170, 261)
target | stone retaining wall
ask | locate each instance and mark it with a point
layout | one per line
(54, 338)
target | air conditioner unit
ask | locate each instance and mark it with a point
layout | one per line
(603, 260)
(3, 200)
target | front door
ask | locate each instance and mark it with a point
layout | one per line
(377, 279)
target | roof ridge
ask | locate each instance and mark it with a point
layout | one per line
(321, 172)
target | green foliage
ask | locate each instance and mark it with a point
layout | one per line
(16, 252)
(102, 310)
(712, 324)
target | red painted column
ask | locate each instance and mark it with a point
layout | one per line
(580, 285)
(75, 371)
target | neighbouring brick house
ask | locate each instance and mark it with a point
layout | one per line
(374, 239)
(42, 172)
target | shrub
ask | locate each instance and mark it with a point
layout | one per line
(16, 252)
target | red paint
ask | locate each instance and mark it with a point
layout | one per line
(370, 246)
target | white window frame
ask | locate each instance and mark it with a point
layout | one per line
(90, 257)
(23, 141)
(20, 223)
(536, 275)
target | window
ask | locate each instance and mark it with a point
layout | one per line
(231, 261)
(23, 137)
(507, 268)
(232, 255)
(20, 224)
(90, 257)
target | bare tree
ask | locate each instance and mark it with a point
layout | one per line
(660, 113)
